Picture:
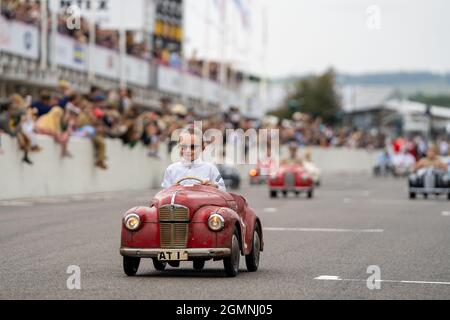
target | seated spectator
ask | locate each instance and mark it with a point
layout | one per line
(10, 123)
(43, 105)
(100, 146)
(27, 122)
(151, 139)
(65, 94)
(52, 124)
(1, 150)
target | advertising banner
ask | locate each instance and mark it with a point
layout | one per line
(19, 39)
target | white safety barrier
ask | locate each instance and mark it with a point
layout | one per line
(344, 160)
(333, 161)
(129, 169)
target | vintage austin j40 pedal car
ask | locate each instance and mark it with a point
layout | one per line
(192, 223)
(429, 181)
(291, 178)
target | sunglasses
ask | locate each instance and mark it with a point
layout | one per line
(190, 146)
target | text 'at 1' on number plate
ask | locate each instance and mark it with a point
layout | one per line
(172, 255)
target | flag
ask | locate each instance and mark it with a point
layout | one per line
(243, 10)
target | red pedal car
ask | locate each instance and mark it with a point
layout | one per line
(192, 223)
(291, 178)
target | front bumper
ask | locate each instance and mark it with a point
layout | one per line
(192, 253)
(296, 189)
(430, 190)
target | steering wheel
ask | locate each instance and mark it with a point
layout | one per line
(189, 178)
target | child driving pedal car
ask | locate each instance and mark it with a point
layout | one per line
(191, 165)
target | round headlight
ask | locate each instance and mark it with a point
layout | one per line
(132, 222)
(216, 222)
(253, 173)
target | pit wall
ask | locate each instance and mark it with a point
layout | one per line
(129, 169)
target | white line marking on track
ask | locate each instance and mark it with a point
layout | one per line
(446, 213)
(16, 204)
(270, 210)
(337, 278)
(330, 278)
(51, 200)
(326, 230)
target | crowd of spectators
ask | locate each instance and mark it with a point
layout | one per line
(100, 114)
(307, 130)
(29, 11)
(138, 44)
(64, 114)
(26, 11)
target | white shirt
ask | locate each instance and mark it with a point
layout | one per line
(198, 168)
(405, 160)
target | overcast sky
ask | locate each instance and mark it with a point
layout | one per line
(306, 36)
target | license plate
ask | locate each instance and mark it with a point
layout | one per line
(172, 255)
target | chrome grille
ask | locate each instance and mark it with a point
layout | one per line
(173, 213)
(289, 179)
(429, 180)
(174, 235)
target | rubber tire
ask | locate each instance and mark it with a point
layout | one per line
(285, 194)
(159, 265)
(174, 264)
(273, 194)
(199, 264)
(425, 195)
(231, 263)
(412, 195)
(131, 265)
(448, 196)
(310, 194)
(252, 259)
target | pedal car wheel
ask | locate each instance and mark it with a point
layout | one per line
(231, 263)
(412, 195)
(448, 196)
(131, 265)
(285, 193)
(310, 194)
(174, 264)
(425, 195)
(273, 193)
(159, 265)
(199, 264)
(252, 259)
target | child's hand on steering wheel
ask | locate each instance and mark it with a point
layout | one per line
(210, 184)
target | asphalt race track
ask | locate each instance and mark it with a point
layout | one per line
(315, 249)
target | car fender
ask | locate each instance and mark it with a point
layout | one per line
(146, 214)
(232, 219)
(252, 221)
(149, 226)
